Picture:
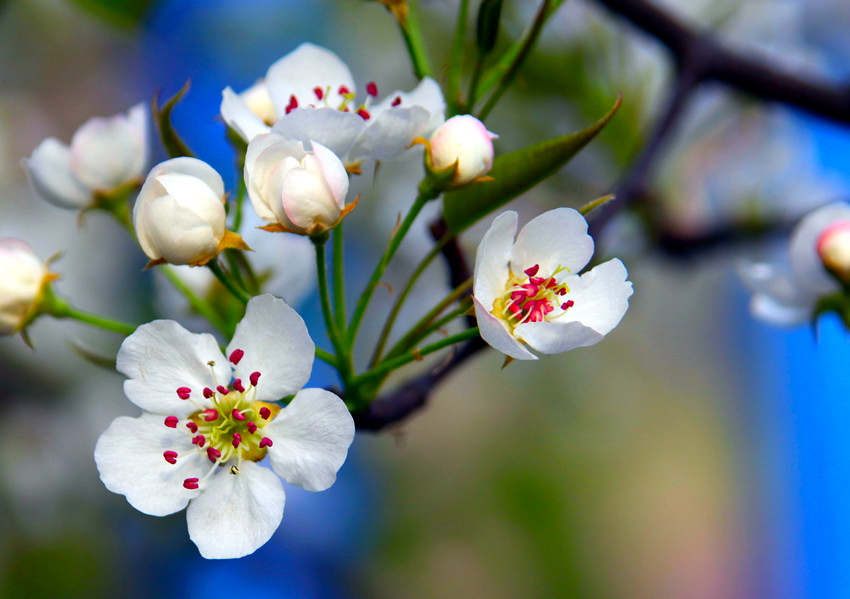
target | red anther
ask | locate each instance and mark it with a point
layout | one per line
(265, 413)
(396, 101)
(190, 483)
(562, 291)
(265, 442)
(531, 271)
(171, 421)
(199, 440)
(293, 104)
(192, 426)
(255, 376)
(237, 415)
(222, 389)
(210, 414)
(567, 304)
(550, 283)
(237, 354)
(343, 91)
(237, 439)
(252, 428)
(208, 393)
(364, 114)
(213, 454)
(183, 392)
(536, 280)
(320, 93)
(372, 89)
(237, 384)
(170, 456)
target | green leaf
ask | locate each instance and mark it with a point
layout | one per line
(123, 13)
(175, 146)
(489, 15)
(515, 173)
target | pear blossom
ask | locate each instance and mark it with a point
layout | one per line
(179, 215)
(786, 291)
(105, 154)
(309, 94)
(293, 189)
(209, 420)
(22, 280)
(465, 142)
(528, 293)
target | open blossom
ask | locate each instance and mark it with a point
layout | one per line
(463, 141)
(787, 291)
(22, 280)
(528, 292)
(208, 420)
(105, 154)
(293, 189)
(179, 215)
(309, 94)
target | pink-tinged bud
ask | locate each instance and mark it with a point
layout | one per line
(190, 483)
(171, 421)
(22, 278)
(833, 247)
(266, 442)
(265, 413)
(463, 140)
(170, 456)
(236, 355)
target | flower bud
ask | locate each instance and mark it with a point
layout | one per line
(462, 141)
(833, 247)
(293, 189)
(105, 155)
(179, 215)
(22, 279)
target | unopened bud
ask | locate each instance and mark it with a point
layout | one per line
(463, 141)
(833, 247)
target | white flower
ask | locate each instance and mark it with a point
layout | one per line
(463, 140)
(786, 292)
(293, 189)
(179, 215)
(529, 292)
(105, 154)
(309, 94)
(207, 422)
(22, 279)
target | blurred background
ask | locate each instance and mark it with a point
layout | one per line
(695, 453)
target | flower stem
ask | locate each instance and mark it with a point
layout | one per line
(326, 356)
(409, 25)
(341, 362)
(456, 106)
(339, 276)
(388, 366)
(225, 279)
(58, 307)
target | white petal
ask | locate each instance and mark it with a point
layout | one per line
(495, 332)
(311, 438)
(805, 262)
(262, 159)
(129, 457)
(338, 131)
(192, 167)
(555, 238)
(49, 173)
(240, 117)
(236, 513)
(162, 356)
(427, 95)
(180, 235)
(302, 70)
(306, 199)
(771, 280)
(492, 258)
(601, 298)
(390, 133)
(768, 309)
(557, 337)
(333, 172)
(107, 152)
(276, 344)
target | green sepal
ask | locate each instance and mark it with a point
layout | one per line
(838, 303)
(171, 141)
(487, 30)
(516, 173)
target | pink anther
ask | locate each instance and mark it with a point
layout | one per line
(237, 415)
(208, 393)
(320, 93)
(236, 355)
(213, 454)
(293, 104)
(372, 89)
(396, 101)
(192, 426)
(265, 413)
(190, 483)
(265, 442)
(170, 456)
(222, 389)
(183, 392)
(199, 440)
(237, 439)
(210, 414)
(343, 90)
(532, 270)
(252, 428)
(364, 114)
(567, 304)
(255, 376)
(171, 421)
(237, 384)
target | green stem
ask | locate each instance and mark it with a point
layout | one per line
(225, 279)
(200, 306)
(413, 40)
(339, 276)
(426, 194)
(455, 106)
(389, 365)
(342, 362)
(60, 308)
(326, 356)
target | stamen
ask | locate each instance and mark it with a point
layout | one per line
(237, 439)
(190, 483)
(265, 442)
(222, 389)
(320, 93)
(252, 428)
(265, 413)
(208, 393)
(192, 426)
(183, 392)
(255, 376)
(237, 354)
(237, 384)
(396, 101)
(171, 421)
(170, 456)
(213, 454)
(531, 271)
(234, 470)
(364, 114)
(199, 440)
(567, 304)
(343, 90)
(372, 89)
(237, 414)
(210, 414)
(293, 104)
